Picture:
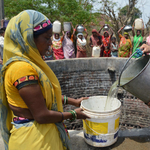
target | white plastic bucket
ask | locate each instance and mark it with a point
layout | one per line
(56, 26)
(138, 24)
(102, 129)
(96, 51)
(67, 26)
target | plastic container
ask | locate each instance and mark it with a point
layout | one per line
(138, 24)
(80, 29)
(102, 129)
(67, 26)
(96, 51)
(56, 26)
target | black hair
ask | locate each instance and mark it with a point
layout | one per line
(1, 31)
(144, 42)
(113, 38)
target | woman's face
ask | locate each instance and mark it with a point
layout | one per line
(69, 35)
(80, 37)
(138, 32)
(43, 42)
(113, 40)
(126, 36)
(94, 34)
(106, 34)
(56, 36)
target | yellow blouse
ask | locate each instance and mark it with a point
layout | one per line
(17, 70)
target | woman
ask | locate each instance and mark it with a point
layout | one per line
(68, 46)
(30, 92)
(138, 38)
(57, 46)
(106, 38)
(114, 47)
(95, 39)
(81, 45)
(125, 46)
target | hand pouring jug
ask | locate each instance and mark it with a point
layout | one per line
(136, 78)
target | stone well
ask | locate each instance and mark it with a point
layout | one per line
(93, 77)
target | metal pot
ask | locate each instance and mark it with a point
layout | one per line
(80, 29)
(106, 28)
(128, 28)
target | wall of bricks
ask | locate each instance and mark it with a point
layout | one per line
(93, 77)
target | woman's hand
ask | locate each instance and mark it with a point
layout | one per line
(145, 48)
(78, 101)
(80, 114)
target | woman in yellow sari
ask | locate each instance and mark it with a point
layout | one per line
(31, 110)
(125, 46)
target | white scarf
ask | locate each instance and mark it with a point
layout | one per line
(54, 39)
(83, 41)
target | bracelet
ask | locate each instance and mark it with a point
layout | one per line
(85, 29)
(62, 116)
(64, 99)
(74, 114)
(74, 29)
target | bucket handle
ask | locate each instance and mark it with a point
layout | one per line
(100, 133)
(125, 67)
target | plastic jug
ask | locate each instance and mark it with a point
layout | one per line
(67, 26)
(96, 51)
(56, 26)
(138, 24)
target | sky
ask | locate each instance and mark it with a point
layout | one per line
(143, 5)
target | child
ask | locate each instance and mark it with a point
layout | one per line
(107, 52)
(114, 48)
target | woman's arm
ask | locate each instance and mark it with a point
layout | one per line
(121, 29)
(101, 28)
(85, 32)
(111, 31)
(133, 33)
(90, 43)
(72, 101)
(33, 97)
(74, 33)
(74, 30)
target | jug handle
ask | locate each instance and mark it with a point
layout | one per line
(125, 67)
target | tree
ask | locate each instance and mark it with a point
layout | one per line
(117, 20)
(77, 11)
(136, 13)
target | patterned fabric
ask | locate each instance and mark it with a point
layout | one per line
(124, 47)
(58, 48)
(107, 53)
(24, 81)
(19, 46)
(81, 50)
(68, 47)
(115, 53)
(136, 41)
(106, 40)
(96, 41)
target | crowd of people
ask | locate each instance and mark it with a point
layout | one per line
(72, 45)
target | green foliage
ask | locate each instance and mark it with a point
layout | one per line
(63, 10)
(136, 14)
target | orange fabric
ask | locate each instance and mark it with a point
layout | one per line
(71, 38)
